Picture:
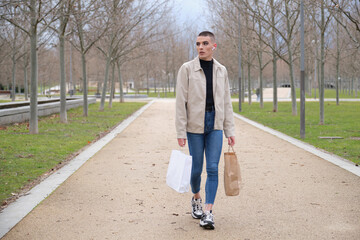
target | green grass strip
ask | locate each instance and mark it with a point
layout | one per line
(159, 94)
(328, 93)
(25, 157)
(340, 121)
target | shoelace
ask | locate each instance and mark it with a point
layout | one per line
(209, 217)
(198, 205)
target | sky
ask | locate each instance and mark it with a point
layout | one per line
(192, 12)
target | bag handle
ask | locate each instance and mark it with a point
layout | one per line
(182, 149)
(231, 148)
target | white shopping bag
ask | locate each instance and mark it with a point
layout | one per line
(179, 171)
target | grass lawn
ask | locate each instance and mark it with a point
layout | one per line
(160, 94)
(329, 93)
(25, 157)
(340, 121)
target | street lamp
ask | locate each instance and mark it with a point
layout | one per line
(302, 73)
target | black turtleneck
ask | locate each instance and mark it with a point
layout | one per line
(207, 67)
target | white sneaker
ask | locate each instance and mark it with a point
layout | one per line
(207, 220)
(196, 205)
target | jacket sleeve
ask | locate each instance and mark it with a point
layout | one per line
(182, 84)
(229, 126)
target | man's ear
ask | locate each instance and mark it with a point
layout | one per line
(215, 45)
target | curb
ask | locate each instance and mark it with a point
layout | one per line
(341, 162)
(17, 210)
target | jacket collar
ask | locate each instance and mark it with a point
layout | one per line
(197, 66)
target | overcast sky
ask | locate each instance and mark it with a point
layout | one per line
(192, 12)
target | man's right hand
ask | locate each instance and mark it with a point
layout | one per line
(182, 142)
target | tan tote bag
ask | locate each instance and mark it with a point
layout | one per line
(232, 176)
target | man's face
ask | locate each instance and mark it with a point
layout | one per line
(205, 47)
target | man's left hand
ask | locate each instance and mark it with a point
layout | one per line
(231, 140)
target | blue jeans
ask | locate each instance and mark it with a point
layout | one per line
(211, 142)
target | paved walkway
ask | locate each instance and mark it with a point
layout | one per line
(120, 193)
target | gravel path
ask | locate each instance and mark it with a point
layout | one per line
(120, 193)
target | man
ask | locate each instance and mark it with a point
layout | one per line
(203, 113)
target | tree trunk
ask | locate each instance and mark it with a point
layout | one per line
(275, 99)
(155, 83)
(33, 123)
(72, 88)
(242, 83)
(13, 83)
(337, 63)
(322, 64)
(240, 65)
(318, 71)
(260, 67)
(26, 90)
(121, 84)
(315, 72)
(166, 72)
(309, 78)
(249, 78)
(112, 91)
(63, 113)
(83, 63)
(291, 64)
(85, 89)
(260, 88)
(103, 95)
(147, 81)
(174, 77)
(293, 89)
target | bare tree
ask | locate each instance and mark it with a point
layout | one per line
(133, 25)
(14, 38)
(347, 15)
(65, 8)
(273, 43)
(112, 90)
(290, 27)
(90, 26)
(351, 10)
(228, 17)
(26, 62)
(323, 23)
(289, 12)
(41, 15)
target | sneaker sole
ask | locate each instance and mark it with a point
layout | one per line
(208, 226)
(194, 216)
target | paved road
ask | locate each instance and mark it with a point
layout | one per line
(120, 193)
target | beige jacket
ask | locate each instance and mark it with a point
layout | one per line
(191, 99)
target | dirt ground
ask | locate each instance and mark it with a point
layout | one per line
(121, 193)
(281, 92)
